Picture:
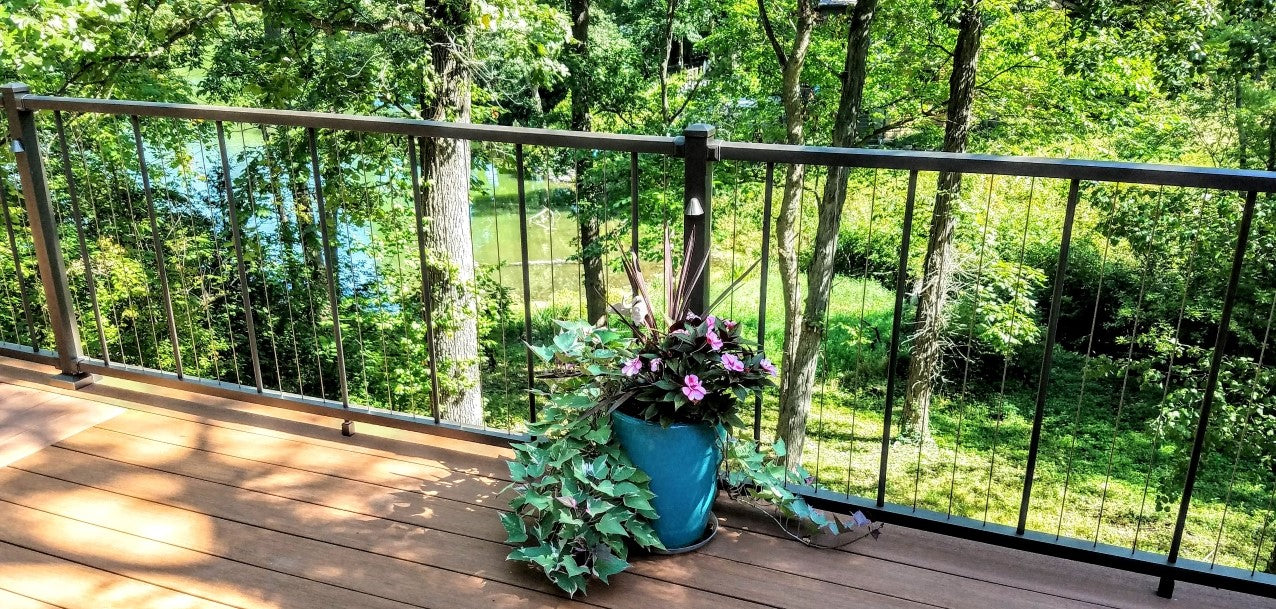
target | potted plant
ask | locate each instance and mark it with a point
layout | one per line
(635, 439)
(674, 411)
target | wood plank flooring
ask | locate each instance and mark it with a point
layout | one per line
(31, 419)
(182, 500)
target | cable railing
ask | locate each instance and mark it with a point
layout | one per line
(1102, 376)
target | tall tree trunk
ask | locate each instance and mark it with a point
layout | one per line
(1271, 145)
(446, 166)
(587, 215)
(1238, 102)
(665, 113)
(786, 227)
(798, 381)
(940, 263)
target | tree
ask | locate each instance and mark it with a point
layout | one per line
(446, 173)
(591, 259)
(786, 230)
(801, 352)
(940, 263)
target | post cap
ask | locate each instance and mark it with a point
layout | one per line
(699, 130)
(16, 87)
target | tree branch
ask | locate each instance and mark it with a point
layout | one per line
(1004, 71)
(770, 33)
(173, 37)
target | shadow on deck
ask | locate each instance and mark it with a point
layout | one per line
(183, 500)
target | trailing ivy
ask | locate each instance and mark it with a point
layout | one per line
(579, 500)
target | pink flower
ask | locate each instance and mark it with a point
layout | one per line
(692, 388)
(632, 367)
(656, 364)
(732, 363)
(715, 343)
(692, 316)
(711, 321)
(767, 366)
(730, 324)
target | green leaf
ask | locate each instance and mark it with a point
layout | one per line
(607, 564)
(565, 341)
(609, 524)
(594, 507)
(515, 528)
(599, 435)
(531, 554)
(623, 472)
(626, 488)
(638, 503)
(644, 535)
(545, 354)
(606, 336)
(517, 471)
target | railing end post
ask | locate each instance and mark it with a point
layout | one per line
(699, 152)
(9, 93)
(44, 231)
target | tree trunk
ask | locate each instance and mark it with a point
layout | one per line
(587, 213)
(1238, 100)
(786, 227)
(930, 321)
(446, 168)
(798, 381)
(670, 9)
(1271, 145)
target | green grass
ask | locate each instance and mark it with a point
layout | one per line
(983, 468)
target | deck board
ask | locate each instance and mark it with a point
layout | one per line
(204, 499)
(31, 420)
(57, 582)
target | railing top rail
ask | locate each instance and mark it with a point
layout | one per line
(367, 124)
(913, 160)
(920, 160)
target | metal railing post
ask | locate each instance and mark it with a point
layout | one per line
(699, 152)
(25, 144)
(1047, 360)
(1166, 587)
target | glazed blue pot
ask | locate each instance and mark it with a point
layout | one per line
(682, 460)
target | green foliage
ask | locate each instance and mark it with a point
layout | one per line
(999, 307)
(756, 474)
(698, 373)
(580, 501)
(1242, 425)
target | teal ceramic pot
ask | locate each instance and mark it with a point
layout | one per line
(682, 460)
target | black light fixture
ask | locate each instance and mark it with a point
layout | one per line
(829, 7)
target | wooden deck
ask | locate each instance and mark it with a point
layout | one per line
(182, 500)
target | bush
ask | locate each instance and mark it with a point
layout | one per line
(856, 253)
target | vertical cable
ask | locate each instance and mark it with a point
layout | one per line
(762, 287)
(1085, 368)
(1005, 369)
(970, 339)
(527, 289)
(897, 323)
(232, 211)
(329, 250)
